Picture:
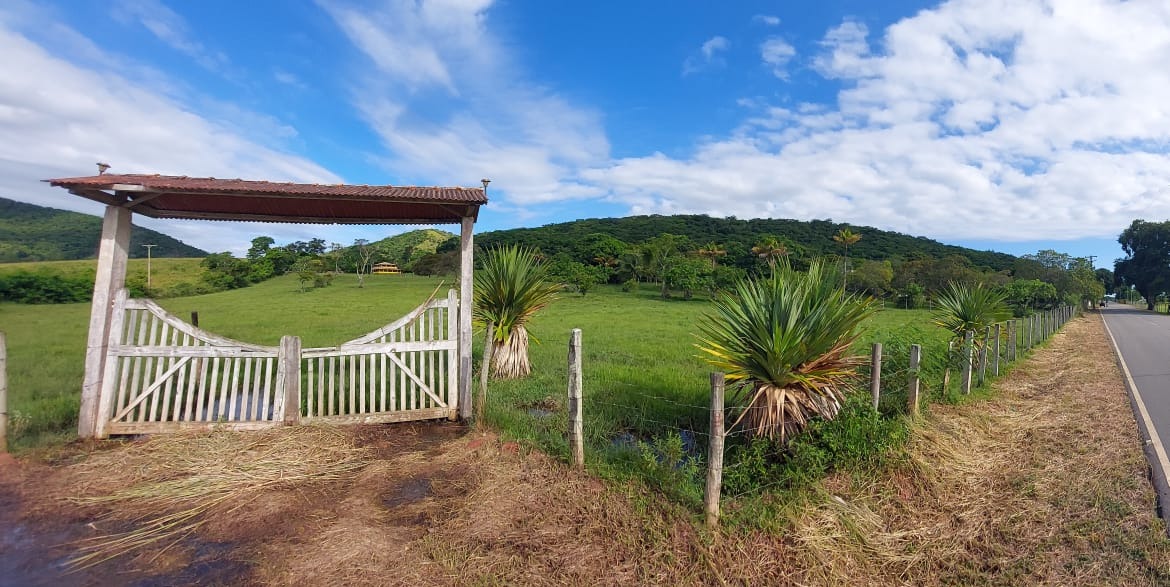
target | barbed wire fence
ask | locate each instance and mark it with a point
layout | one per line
(902, 375)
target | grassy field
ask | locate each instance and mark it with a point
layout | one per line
(643, 376)
(164, 273)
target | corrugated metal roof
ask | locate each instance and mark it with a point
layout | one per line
(165, 196)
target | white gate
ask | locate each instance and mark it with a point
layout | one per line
(405, 370)
(163, 374)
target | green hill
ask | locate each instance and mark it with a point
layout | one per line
(805, 238)
(407, 247)
(35, 233)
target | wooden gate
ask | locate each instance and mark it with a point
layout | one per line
(405, 370)
(163, 374)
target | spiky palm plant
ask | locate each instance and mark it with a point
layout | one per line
(510, 287)
(785, 340)
(962, 308)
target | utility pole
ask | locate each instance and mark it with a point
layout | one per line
(148, 247)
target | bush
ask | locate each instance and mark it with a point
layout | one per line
(856, 440)
(43, 287)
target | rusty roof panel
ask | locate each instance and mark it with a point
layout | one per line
(164, 196)
(171, 183)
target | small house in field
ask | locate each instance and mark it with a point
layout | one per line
(384, 268)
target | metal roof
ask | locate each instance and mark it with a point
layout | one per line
(165, 196)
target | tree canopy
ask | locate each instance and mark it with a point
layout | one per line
(1146, 265)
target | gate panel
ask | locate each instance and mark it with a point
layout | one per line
(403, 371)
(163, 374)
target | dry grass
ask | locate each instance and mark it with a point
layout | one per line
(1045, 484)
(172, 485)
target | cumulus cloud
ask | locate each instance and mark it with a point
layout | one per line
(68, 114)
(709, 54)
(776, 53)
(766, 19)
(979, 119)
(493, 122)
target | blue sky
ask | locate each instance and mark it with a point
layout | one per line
(1012, 125)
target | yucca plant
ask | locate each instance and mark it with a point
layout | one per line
(962, 308)
(510, 287)
(785, 341)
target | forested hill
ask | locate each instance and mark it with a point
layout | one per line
(803, 238)
(35, 233)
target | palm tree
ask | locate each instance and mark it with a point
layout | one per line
(770, 249)
(712, 251)
(786, 340)
(511, 286)
(963, 308)
(846, 238)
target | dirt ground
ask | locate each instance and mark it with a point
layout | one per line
(1043, 484)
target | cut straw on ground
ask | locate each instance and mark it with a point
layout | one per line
(175, 483)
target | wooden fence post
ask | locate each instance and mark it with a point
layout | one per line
(968, 356)
(946, 384)
(1011, 341)
(912, 391)
(983, 356)
(995, 351)
(1031, 332)
(576, 422)
(875, 374)
(288, 377)
(195, 319)
(3, 393)
(715, 454)
(484, 370)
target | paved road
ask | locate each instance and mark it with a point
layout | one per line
(1143, 341)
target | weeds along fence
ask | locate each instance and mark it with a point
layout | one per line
(685, 457)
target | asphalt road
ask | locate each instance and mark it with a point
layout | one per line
(1142, 340)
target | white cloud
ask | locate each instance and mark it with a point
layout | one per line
(1004, 120)
(847, 52)
(709, 55)
(462, 110)
(766, 19)
(170, 28)
(288, 79)
(59, 117)
(776, 53)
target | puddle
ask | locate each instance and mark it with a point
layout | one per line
(33, 557)
(212, 563)
(542, 408)
(625, 440)
(691, 450)
(409, 492)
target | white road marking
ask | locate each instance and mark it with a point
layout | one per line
(1159, 449)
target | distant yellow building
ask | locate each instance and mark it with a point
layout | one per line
(386, 269)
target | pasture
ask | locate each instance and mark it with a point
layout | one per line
(164, 273)
(644, 383)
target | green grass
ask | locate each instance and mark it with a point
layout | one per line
(168, 277)
(164, 273)
(46, 343)
(646, 389)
